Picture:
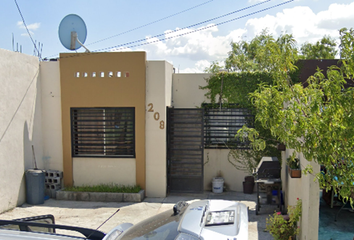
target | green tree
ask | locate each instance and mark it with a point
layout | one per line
(316, 120)
(214, 68)
(256, 55)
(236, 89)
(322, 49)
(249, 65)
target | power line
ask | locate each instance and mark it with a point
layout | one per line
(190, 26)
(24, 23)
(159, 20)
(127, 45)
(180, 29)
(131, 30)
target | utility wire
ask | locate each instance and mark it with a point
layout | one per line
(159, 20)
(128, 45)
(24, 23)
(180, 29)
(190, 26)
(136, 28)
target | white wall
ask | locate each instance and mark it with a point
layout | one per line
(105, 171)
(215, 163)
(185, 89)
(51, 116)
(310, 202)
(158, 96)
(168, 83)
(20, 124)
(304, 188)
(186, 93)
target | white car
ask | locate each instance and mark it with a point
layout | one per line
(205, 219)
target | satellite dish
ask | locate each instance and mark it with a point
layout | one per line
(72, 32)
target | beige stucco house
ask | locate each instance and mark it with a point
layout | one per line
(101, 85)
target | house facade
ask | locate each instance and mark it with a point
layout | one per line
(102, 118)
(106, 118)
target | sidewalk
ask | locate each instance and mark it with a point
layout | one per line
(93, 214)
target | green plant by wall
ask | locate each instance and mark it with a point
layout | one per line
(105, 188)
(281, 228)
(316, 120)
(236, 87)
(244, 160)
(293, 163)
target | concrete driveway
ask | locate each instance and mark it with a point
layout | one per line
(93, 214)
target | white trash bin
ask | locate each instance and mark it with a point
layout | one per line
(218, 184)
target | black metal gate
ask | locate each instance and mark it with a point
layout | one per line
(185, 140)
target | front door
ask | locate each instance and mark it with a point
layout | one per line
(185, 140)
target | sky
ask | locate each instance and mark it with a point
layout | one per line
(196, 32)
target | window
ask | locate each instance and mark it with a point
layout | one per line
(221, 126)
(103, 132)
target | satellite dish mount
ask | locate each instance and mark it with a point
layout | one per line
(75, 39)
(73, 32)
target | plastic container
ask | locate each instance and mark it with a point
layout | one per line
(218, 184)
(275, 193)
(35, 186)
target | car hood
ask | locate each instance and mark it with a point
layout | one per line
(205, 219)
(215, 219)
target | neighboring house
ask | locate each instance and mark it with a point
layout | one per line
(117, 118)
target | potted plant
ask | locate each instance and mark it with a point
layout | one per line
(245, 157)
(248, 185)
(285, 227)
(294, 167)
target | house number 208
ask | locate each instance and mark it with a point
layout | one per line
(156, 115)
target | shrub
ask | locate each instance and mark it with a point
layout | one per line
(281, 228)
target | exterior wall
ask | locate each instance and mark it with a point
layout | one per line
(20, 124)
(306, 189)
(120, 171)
(310, 202)
(51, 116)
(103, 92)
(186, 94)
(185, 89)
(216, 164)
(168, 83)
(158, 96)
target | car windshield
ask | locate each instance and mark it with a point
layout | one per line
(160, 227)
(46, 219)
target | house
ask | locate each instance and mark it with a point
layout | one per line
(103, 118)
